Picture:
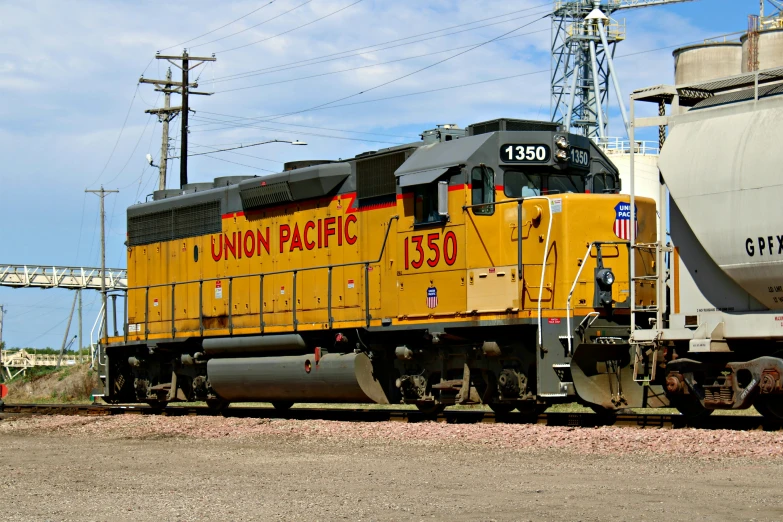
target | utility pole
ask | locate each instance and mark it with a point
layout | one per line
(165, 115)
(81, 339)
(67, 330)
(2, 311)
(183, 88)
(102, 194)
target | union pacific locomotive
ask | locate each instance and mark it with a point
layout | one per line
(467, 268)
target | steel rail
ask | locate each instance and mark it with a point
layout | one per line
(583, 420)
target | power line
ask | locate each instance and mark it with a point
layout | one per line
(241, 164)
(367, 66)
(249, 125)
(81, 225)
(254, 26)
(407, 75)
(470, 84)
(240, 118)
(28, 343)
(294, 29)
(240, 153)
(682, 44)
(372, 48)
(133, 152)
(122, 129)
(491, 80)
(239, 147)
(219, 28)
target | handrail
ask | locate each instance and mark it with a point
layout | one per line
(261, 275)
(98, 320)
(519, 202)
(576, 280)
(543, 267)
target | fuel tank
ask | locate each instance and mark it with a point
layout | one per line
(298, 378)
(722, 167)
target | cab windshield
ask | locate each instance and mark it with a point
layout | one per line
(519, 184)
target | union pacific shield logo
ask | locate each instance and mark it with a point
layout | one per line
(432, 297)
(622, 221)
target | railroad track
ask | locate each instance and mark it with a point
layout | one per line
(732, 422)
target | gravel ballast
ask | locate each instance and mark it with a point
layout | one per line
(141, 468)
(599, 441)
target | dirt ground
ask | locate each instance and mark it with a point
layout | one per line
(140, 469)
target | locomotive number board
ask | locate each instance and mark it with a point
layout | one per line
(515, 153)
(580, 157)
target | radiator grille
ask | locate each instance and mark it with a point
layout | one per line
(484, 128)
(178, 223)
(375, 177)
(266, 195)
(511, 125)
(524, 125)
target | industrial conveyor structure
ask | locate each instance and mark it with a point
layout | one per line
(68, 277)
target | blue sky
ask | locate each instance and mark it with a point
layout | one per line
(69, 72)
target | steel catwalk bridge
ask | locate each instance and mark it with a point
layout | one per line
(70, 277)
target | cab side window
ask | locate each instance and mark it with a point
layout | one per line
(425, 204)
(482, 187)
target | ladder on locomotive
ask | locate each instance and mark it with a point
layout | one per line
(647, 341)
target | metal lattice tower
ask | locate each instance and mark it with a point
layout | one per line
(584, 38)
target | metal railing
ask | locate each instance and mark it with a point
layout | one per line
(261, 276)
(95, 352)
(615, 145)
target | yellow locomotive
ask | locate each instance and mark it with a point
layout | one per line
(465, 268)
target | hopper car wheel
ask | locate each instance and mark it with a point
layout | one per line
(217, 405)
(605, 415)
(531, 408)
(769, 408)
(501, 408)
(431, 408)
(282, 405)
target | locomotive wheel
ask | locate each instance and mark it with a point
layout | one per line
(689, 406)
(501, 408)
(282, 405)
(769, 408)
(217, 405)
(431, 408)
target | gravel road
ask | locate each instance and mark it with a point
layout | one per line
(179, 468)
